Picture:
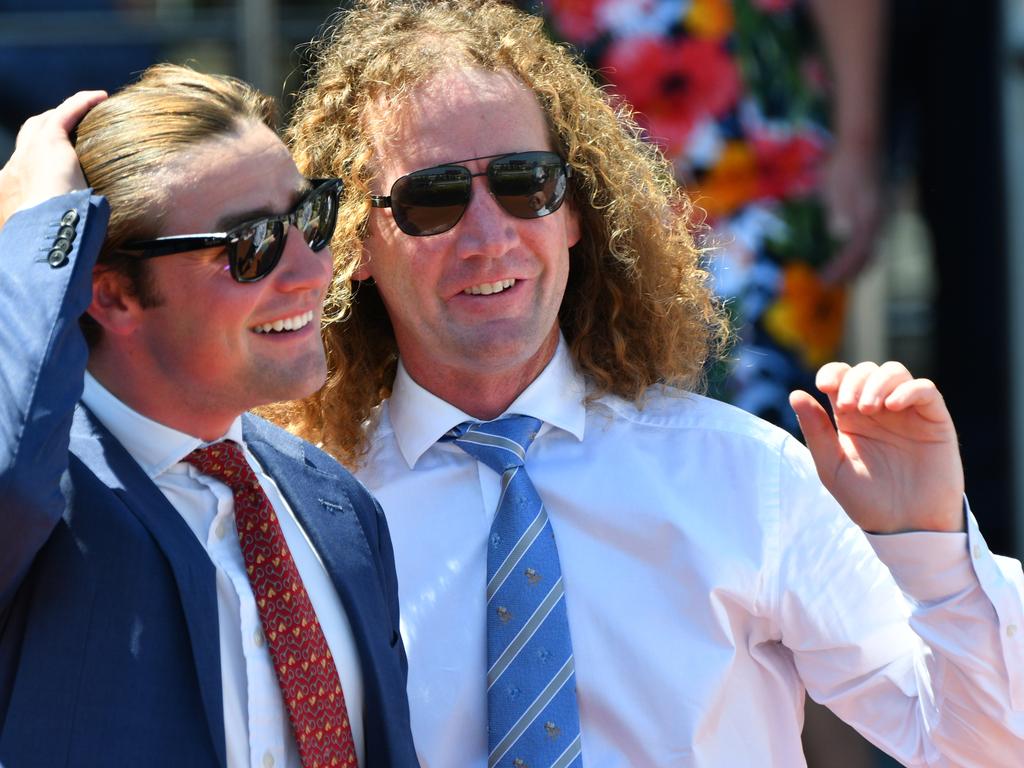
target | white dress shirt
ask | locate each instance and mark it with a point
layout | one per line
(709, 580)
(256, 725)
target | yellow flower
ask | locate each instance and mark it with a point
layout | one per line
(711, 19)
(808, 315)
(732, 182)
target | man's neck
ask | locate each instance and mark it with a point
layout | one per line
(482, 397)
(146, 398)
(483, 394)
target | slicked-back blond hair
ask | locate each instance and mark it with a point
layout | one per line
(637, 309)
(124, 143)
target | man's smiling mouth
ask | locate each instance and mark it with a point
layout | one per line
(485, 289)
(286, 324)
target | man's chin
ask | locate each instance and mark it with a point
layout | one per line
(296, 382)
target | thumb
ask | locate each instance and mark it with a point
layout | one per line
(820, 435)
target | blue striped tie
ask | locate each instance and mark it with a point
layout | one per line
(533, 718)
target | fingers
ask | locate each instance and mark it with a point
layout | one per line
(829, 377)
(923, 395)
(819, 434)
(71, 111)
(864, 387)
(57, 123)
(869, 388)
(44, 164)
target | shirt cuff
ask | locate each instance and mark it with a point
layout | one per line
(930, 566)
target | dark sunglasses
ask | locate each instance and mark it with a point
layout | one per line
(255, 247)
(528, 185)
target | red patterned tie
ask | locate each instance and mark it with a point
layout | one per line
(305, 668)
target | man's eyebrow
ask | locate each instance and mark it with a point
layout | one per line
(233, 220)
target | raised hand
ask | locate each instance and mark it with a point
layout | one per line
(44, 163)
(892, 459)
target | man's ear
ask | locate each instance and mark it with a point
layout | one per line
(113, 305)
(362, 271)
(573, 223)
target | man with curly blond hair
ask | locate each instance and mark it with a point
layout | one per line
(597, 565)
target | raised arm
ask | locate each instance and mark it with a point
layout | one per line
(947, 686)
(49, 241)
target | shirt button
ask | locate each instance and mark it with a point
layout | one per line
(976, 551)
(258, 638)
(1011, 630)
(268, 760)
(221, 530)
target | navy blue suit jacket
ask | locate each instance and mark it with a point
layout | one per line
(109, 639)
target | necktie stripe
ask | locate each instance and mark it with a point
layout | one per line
(506, 480)
(531, 713)
(523, 636)
(512, 560)
(525, 633)
(495, 441)
(565, 759)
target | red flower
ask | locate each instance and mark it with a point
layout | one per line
(789, 166)
(575, 20)
(672, 84)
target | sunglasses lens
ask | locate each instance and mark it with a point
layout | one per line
(317, 215)
(528, 184)
(431, 201)
(257, 250)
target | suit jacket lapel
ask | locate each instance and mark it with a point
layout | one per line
(194, 573)
(327, 515)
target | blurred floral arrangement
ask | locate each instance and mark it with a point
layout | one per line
(735, 94)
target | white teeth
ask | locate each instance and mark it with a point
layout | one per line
(486, 289)
(287, 324)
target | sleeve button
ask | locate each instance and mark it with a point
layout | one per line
(66, 233)
(57, 257)
(70, 218)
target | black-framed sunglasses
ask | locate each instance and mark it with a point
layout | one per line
(528, 185)
(255, 247)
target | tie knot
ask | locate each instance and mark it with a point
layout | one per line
(500, 444)
(226, 462)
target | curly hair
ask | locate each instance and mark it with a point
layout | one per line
(637, 310)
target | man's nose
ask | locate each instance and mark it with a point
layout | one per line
(486, 228)
(301, 267)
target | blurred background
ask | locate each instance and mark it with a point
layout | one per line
(943, 290)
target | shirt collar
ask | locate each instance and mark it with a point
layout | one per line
(155, 446)
(420, 418)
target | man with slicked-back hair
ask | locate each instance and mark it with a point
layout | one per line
(181, 584)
